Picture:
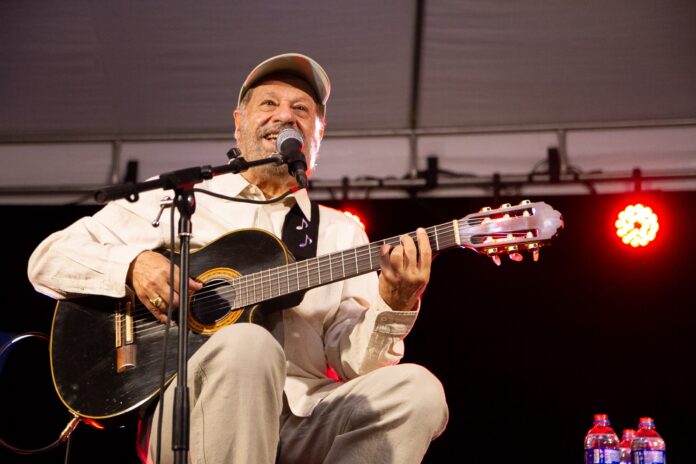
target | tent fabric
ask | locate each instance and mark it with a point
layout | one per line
(484, 86)
(123, 68)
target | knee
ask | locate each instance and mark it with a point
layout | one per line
(425, 396)
(244, 347)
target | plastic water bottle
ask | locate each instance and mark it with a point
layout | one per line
(625, 445)
(601, 442)
(648, 447)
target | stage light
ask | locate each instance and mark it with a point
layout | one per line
(637, 225)
(355, 217)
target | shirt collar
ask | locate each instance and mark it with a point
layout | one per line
(235, 185)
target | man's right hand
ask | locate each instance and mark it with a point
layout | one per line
(148, 275)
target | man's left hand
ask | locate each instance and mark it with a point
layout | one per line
(405, 271)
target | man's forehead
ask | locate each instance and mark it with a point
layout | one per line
(286, 80)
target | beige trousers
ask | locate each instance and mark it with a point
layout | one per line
(238, 415)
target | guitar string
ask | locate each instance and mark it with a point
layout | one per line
(320, 264)
(323, 262)
(154, 324)
(359, 257)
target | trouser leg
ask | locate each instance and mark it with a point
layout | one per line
(387, 416)
(235, 385)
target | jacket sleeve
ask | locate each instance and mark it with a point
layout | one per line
(92, 256)
(365, 333)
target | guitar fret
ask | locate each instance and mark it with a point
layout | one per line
(277, 283)
(246, 290)
(437, 241)
(330, 269)
(343, 264)
(319, 269)
(307, 272)
(264, 283)
(297, 275)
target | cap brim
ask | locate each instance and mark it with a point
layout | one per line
(295, 64)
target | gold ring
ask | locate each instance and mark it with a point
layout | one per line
(156, 302)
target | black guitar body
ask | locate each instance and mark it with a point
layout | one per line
(92, 378)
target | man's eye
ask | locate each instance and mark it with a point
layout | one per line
(268, 103)
(301, 108)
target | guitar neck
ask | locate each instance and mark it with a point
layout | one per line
(322, 270)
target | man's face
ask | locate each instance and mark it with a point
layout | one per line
(275, 104)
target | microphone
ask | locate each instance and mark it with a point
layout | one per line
(289, 145)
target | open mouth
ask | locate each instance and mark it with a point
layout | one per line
(271, 137)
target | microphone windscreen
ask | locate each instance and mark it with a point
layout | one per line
(289, 140)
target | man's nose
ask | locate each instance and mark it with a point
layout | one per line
(284, 114)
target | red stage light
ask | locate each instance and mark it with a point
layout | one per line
(355, 217)
(637, 225)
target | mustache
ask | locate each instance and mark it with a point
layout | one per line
(265, 131)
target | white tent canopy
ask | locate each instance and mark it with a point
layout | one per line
(484, 86)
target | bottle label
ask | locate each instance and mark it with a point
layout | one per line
(649, 457)
(601, 456)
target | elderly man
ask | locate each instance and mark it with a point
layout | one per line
(256, 398)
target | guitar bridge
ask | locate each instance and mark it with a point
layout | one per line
(125, 335)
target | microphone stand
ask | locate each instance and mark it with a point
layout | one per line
(182, 182)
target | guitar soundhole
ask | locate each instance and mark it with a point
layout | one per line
(212, 302)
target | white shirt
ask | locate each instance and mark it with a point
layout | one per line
(345, 325)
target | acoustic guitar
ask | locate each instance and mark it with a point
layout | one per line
(106, 353)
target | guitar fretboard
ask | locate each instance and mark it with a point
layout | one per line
(314, 272)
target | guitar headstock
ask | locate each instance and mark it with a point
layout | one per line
(510, 229)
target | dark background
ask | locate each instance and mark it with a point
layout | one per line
(527, 352)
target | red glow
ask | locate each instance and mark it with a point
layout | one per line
(637, 225)
(93, 423)
(355, 217)
(332, 374)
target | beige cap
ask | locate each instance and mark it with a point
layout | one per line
(295, 64)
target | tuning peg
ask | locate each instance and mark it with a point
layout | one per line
(496, 259)
(505, 205)
(491, 251)
(511, 248)
(485, 209)
(525, 202)
(535, 255)
(516, 256)
(525, 213)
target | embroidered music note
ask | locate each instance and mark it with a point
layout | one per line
(308, 241)
(303, 225)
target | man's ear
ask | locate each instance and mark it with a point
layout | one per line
(236, 115)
